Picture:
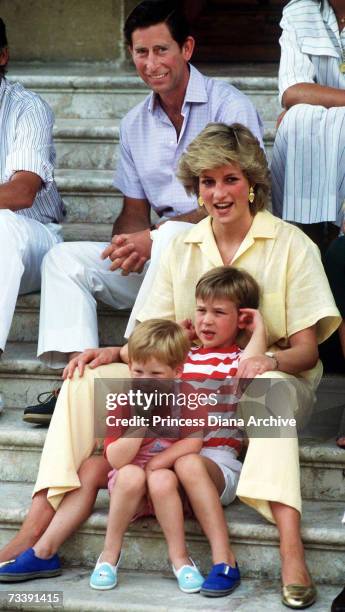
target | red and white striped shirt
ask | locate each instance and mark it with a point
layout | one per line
(206, 370)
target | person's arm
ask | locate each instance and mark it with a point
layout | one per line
(124, 449)
(167, 458)
(93, 358)
(300, 356)
(254, 324)
(20, 191)
(314, 94)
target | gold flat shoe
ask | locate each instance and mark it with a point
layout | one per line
(297, 596)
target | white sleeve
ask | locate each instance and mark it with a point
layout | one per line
(295, 66)
(33, 149)
(126, 178)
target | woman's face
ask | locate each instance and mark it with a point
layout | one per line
(225, 193)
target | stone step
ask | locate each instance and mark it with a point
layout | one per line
(255, 541)
(94, 143)
(25, 322)
(322, 462)
(103, 91)
(157, 592)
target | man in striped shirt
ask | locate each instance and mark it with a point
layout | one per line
(30, 206)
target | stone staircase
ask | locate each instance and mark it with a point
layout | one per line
(89, 101)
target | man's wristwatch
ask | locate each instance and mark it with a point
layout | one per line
(274, 357)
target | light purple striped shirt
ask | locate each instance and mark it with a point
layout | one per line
(150, 150)
(26, 143)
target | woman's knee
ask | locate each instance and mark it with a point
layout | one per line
(162, 482)
(131, 479)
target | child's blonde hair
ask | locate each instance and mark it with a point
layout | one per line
(164, 340)
(229, 283)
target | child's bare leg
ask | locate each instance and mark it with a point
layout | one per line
(203, 482)
(75, 508)
(36, 522)
(163, 488)
(129, 489)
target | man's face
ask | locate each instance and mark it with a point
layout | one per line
(159, 60)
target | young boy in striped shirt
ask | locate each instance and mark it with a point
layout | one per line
(226, 304)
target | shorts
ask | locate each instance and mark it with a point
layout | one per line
(230, 467)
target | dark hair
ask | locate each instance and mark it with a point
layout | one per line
(152, 12)
(3, 44)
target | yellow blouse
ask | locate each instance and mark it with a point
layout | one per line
(295, 293)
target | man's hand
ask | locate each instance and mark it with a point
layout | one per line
(93, 358)
(129, 252)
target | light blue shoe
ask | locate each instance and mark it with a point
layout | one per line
(104, 576)
(189, 578)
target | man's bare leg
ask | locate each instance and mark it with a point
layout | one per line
(36, 522)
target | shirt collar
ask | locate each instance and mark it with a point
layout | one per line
(263, 226)
(195, 92)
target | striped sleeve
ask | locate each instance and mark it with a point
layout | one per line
(33, 149)
(295, 66)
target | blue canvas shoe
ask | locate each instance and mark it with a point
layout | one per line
(221, 581)
(189, 578)
(27, 566)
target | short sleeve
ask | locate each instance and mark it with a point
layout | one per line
(309, 299)
(237, 108)
(33, 149)
(295, 66)
(126, 178)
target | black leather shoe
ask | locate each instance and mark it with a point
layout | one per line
(338, 604)
(41, 413)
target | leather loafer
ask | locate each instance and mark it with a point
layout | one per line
(298, 596)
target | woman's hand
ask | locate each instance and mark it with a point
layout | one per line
(93, 358)
(253, 366)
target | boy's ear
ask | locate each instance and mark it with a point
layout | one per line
(178, 371)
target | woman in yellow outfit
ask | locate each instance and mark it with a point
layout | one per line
(227, 168)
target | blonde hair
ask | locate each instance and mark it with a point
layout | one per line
(219, 144)
(229, 283)
(161, 339)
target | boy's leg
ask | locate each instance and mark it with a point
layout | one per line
(128, 491)
(203, 482)
(75, 507)
(163, 488)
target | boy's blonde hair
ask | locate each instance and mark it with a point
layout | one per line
(218, 145)
(164, 340)
(229, 283)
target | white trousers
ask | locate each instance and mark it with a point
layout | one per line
(73, 277)
(308, 165)
(23, 244)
